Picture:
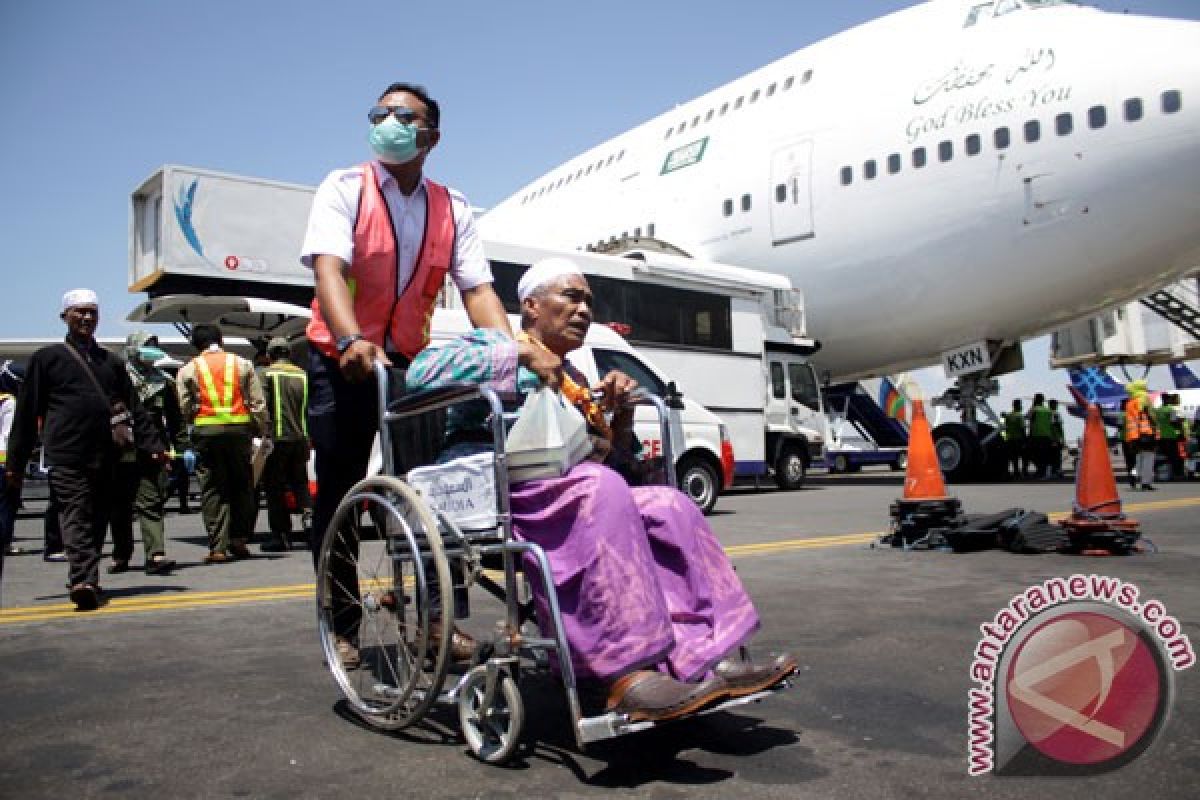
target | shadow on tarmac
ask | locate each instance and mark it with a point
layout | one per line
(626, 762)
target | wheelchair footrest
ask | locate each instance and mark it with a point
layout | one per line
(612, 724)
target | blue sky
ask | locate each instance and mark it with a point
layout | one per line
(97, 95)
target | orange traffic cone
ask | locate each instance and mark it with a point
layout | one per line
(922, 477)
(925, 507)
(1097, 523)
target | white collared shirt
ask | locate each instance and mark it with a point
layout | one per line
(335, 209)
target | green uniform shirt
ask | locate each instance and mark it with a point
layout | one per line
(1014, 425)
(1041, 422)
(286, 388)
(1167, 418)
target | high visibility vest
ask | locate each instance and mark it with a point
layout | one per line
(1014, 426)
(281, 411)
(380, 314)
(1137, 420)
(1041, 422)
(1167, 429)
(221, 398)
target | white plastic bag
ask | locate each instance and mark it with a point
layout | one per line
(549, 437)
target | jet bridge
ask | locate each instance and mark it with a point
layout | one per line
(1161, 328)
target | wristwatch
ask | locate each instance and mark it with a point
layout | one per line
(344, 342)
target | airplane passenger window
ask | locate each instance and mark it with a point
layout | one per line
(669, 132)
(1172, 101)
(637, 232)
(847, 176)
(1133, 109)
(650, 230)
(620, 155)
(780, 192)
(610, 160)
(974, 144)
(754, 95)
(945, 151)
(806, 77)
(695, 120)
(869, 169)
(727, 207)
(1033, 130)
(1097, 117)
(918, 157)
(770, 90)
(1001, 138)
(893, 163)
(1064, 124)
(737, 104)
(745, 202)
(708, 117)
(788, 83)
(724, 108)
(589, 170)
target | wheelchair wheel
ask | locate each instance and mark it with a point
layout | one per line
(491, 725)
(381, 559)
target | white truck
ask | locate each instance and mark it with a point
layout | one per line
(212, 247)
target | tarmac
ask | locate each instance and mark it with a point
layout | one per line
(210, 682)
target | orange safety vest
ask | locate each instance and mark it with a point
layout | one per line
(221, 398)
(403, 320)
(1137, 420)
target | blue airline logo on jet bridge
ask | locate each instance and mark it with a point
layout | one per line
(684, 156)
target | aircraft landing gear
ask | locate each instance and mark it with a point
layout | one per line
(970, 450)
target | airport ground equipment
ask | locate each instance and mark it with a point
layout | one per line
(925, 506)
(1097, 521)
(855, 415)
(406, 555)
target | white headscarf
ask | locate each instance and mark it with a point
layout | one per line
(544, 271)
(79, 297)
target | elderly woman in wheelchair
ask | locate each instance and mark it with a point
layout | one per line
(650, 606)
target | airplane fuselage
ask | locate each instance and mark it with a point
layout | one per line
(927, 182)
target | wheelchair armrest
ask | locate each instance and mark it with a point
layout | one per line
(432, 399)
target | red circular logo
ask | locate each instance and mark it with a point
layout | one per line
(1085, 688)
(231, 262)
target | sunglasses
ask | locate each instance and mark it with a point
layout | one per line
(378, 114)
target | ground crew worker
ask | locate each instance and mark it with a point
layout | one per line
(1058, 438)
(1014, 439)
(1041, 435)
(1140, 432)
(220, 396)
(285, 386)
(1171, 433)
(141, 485)
(381, 239)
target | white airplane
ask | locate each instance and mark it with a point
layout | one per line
(944, 181)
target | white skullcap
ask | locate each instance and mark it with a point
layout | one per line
(79, 297)
(544, 271)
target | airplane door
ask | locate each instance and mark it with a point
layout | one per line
(791, 193)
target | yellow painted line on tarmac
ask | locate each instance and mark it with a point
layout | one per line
(304, 591)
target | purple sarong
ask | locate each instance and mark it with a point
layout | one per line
(641, 579)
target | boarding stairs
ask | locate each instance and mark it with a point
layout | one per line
(851, 403)
(1178, 304)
